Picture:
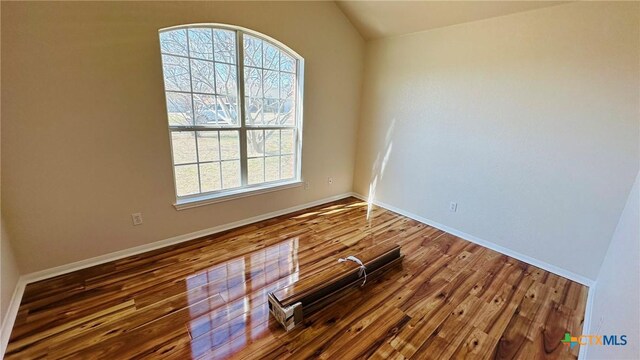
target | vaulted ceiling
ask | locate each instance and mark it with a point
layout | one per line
(377, 19)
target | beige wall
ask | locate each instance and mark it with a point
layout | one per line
(85, 140)
(9, 272)
(616, 304)
(529, 122)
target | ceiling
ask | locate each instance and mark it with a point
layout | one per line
(377, 19)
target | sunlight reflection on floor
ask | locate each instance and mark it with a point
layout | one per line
(217, 328)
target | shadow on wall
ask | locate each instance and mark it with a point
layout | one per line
(377, 171)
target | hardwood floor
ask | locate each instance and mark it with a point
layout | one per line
(207, 298)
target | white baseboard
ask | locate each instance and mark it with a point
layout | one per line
(488, 244)
(9, 320)
(12, 312)
(586, 326)
(10, 316)
(588, 319)
(82, 264)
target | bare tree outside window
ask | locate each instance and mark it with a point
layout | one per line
(215, 145)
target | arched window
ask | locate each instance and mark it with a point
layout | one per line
(234, 108)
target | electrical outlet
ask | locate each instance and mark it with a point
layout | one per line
(136, 218)
(307, 185)
(330, 180)
(453, 207)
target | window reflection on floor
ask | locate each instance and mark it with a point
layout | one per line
(228, 302)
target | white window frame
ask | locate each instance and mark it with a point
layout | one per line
(204, 198)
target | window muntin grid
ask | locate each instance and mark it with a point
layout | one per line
(215, 101)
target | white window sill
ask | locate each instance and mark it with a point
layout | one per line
(207, 199)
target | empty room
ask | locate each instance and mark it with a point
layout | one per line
(320, 180)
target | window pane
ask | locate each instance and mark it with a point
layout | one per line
(187, 180)
(271, 56)
(271, 84)
(174, 42)
(252, 51)
(270, 111)
(201, 85)
(287, 86)
(255, 143)
(208, 149)
(179, 109)
(287, 63)
(272, 168)
(184, 147)
(252, 82)
(287, 141)
(226, 79)
(200, 45)
(202, 76)
(176, 73)
(287, 166)
(205, 109)
(230, 174)
(272, 142)
(255, 171)
(210, 177)
(253, 111)
(227, 110)
(287, 112)
(229, 145)
(224, 45)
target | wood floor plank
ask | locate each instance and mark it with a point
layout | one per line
(207, 298)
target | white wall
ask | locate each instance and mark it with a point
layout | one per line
(85, 141)
(616, 305)
(528, 121)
